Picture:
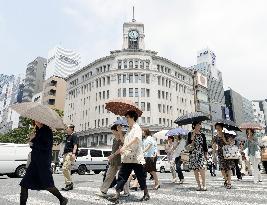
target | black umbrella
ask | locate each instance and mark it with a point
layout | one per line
(191, 117)
(228, 124)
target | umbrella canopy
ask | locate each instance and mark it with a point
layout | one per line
(229, 132)
(176, 131)
(190, 118)
(250, 125)
(228, 124)
(161, 134)
(240, 138)
(122, 106)
(39, 113)
(121, 122)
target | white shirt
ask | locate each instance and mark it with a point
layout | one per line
(136, 149)
(179, 149)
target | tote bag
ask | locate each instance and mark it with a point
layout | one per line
(231, 152)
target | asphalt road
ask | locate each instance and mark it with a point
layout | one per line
(244, 192)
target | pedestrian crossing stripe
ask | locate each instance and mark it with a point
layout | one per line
(31, 200)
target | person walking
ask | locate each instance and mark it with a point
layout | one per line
(225, 165)
(179, 146)
(69, 156)
(197, 145)
(132, 158)
(169, 150)
(149, 154)
(254, 154)
(114, 162)
(38, 175)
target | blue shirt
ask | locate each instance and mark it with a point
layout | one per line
(149, 141)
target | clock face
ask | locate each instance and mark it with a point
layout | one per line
(133, 34)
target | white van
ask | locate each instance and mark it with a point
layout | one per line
(13, 159)
(90, 159)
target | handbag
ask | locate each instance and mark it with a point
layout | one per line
(185, 156)
(264, 154)
(231, 152)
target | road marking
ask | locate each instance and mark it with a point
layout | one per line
(31, 200)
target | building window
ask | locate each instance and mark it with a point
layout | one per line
(131, 64)
(148, 93)
(163, 96)
(119, 79)
(167, 95)
(142, 65)
(124, 79)
(160, 121)
(148, 106)
(142, 78)
(103, 108)
(147, 78)
(159, 94)
(147, 65)
(119, 64)
(102, 122)
(108, 80)
(124, 92)
(99, 95)
(159, 107)
(119, 92)
(104, 95)
(130, 92)
(130, 78)
(167, 109)
(143, 106)
(106, 122)
(136, 92)
(143, 120)
(158, 80)
(148, 120)
(142, 92)
(163, 108)
(125, 64)
(108, 94)
(136, 78)
(163, 121)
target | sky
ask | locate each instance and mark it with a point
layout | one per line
(236, 30)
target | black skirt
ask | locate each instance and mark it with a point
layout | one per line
(150, 165)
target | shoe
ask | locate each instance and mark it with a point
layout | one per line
(174, 180)
(68, 187)
(101, 194)
(125, 195)
(229, 186)
(204, 188)
(156, 187)
(146, 197)
(64, 201)
(198, 188)
(114, 200)
(181, 181)
(134, 188)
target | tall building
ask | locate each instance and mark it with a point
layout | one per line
(54, 92)
(35, 76)
(214, 93)
(62, 62)
(240, 108)
(10, 94)
(160, 87)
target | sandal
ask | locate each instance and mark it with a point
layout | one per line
(204, 188)
(199, 188)
(229, 186)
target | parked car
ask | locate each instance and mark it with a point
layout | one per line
(163, 165)
(90, 159)
(13, 159)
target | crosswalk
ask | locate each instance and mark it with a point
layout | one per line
(244, 192)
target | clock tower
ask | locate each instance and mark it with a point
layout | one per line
(133, 36)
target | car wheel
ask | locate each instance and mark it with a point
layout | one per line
(82, 170)
(20, 171)
(97, 171)
(162, 170)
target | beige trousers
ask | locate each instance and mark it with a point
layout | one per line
(111, 174)
(67, 162)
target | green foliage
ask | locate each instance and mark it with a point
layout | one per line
(20, 134)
